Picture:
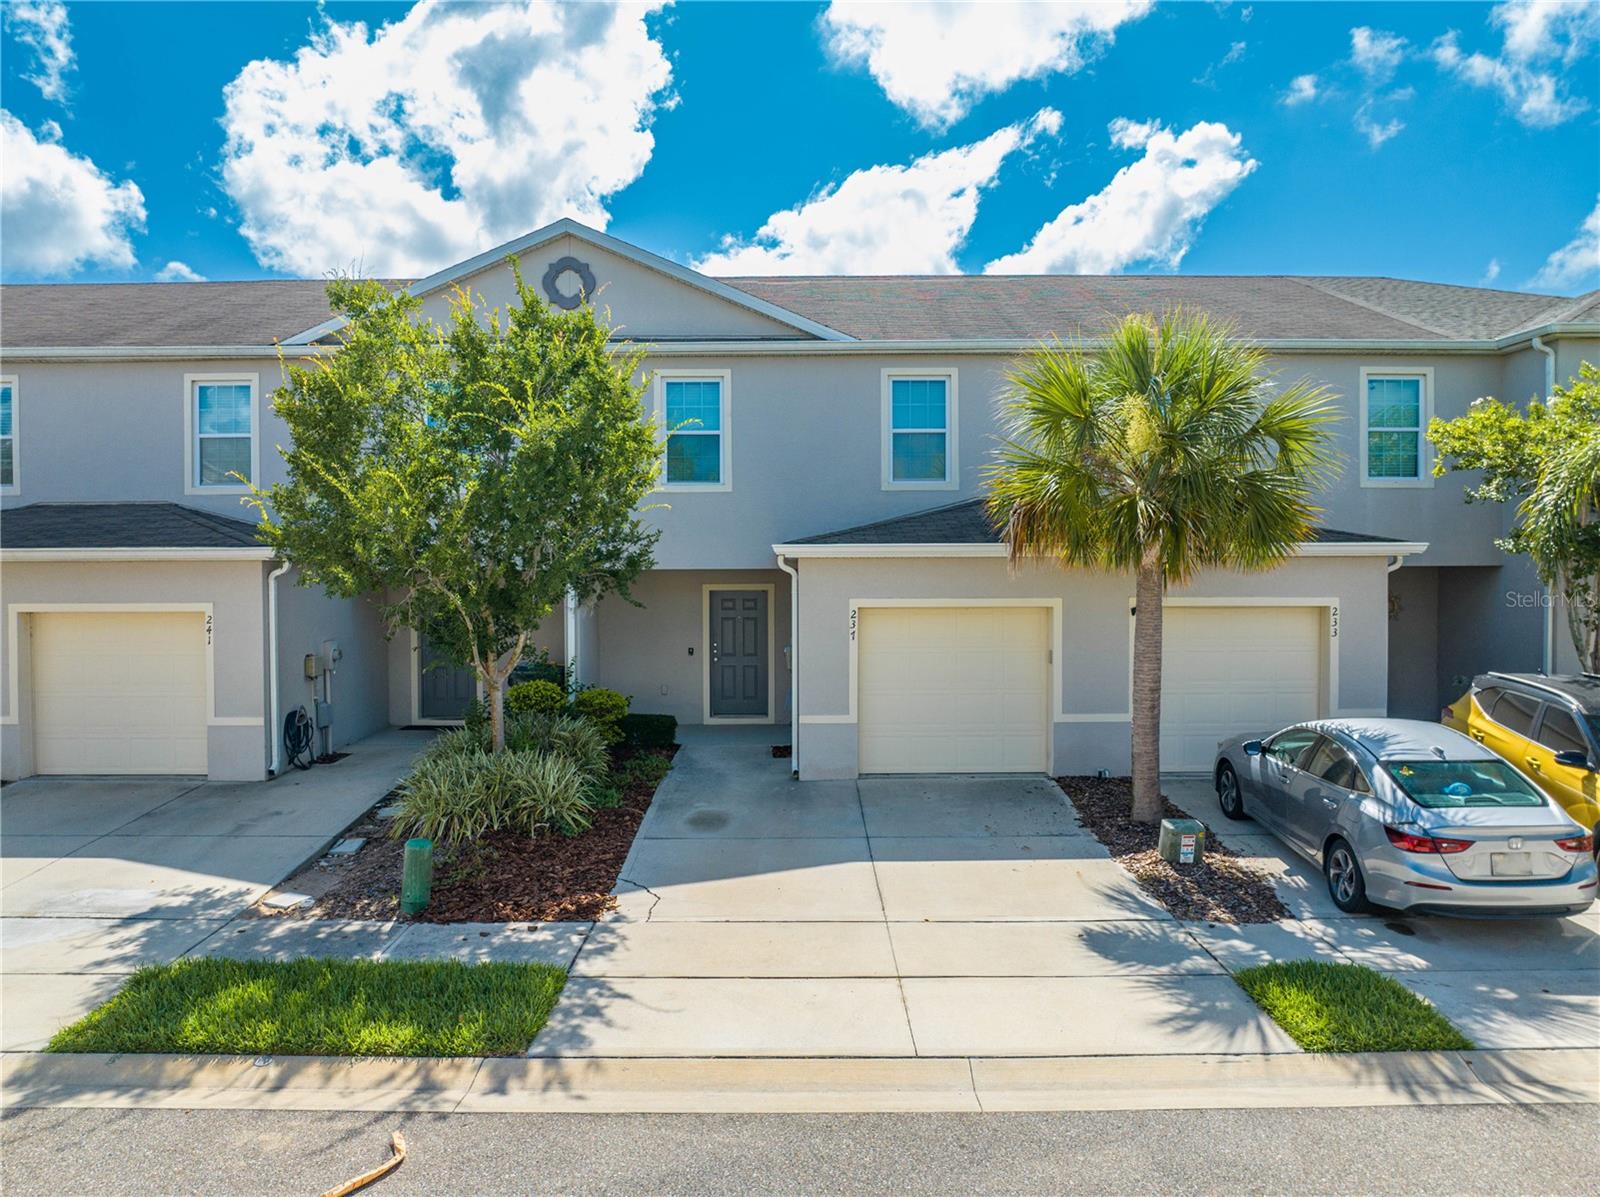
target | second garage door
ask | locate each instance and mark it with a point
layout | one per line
(119, 692)
(953, 689)
(1231, 670)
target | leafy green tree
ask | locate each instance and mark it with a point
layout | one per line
(468, 475)
(1546, 459)
(1164, 451)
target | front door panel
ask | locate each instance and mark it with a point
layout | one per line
(445, 690)
(739, 662)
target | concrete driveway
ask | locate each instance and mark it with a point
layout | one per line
(974, 917)
(104, 875)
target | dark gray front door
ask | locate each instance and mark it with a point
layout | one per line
(739, 653)
(445, 690)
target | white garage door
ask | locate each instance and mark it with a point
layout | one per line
(1228, 670)
(119, 692)
(953, 689)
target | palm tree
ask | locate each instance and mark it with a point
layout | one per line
(1166, 450)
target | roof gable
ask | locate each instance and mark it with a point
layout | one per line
(649, 297)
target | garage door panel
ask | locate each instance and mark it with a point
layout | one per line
(953, 690)
(1228, 670)
(119, 692)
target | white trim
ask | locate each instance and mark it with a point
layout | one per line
(191, 458)
(241, 553)
(724, 379)
(886, 432)
(1424, 476)
(14, 487)
(415, 657)
(1311, 548)
(13, 684)
(705, 653)
(567, 227)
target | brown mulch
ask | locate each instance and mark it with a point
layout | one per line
(1223, 888)
(502, 877)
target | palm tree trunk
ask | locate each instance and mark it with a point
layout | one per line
(1147, 692)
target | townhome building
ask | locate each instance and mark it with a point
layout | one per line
(825, 563)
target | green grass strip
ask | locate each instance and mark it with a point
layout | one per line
(1348, 1008)
(322, 1008)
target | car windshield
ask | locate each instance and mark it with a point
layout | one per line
(1462, 783)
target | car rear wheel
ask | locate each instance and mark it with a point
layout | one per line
(1229, 796)
(1346, 886)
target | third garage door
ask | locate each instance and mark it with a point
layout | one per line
(1230, 670)
(953, 689)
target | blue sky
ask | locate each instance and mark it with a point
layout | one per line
(1453, 142)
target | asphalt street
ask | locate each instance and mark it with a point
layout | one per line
(1455, 1150)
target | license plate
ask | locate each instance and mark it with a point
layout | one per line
(1511, 864)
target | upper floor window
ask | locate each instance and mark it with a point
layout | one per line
(1394, 412)
(919, 443)
(222, 425)
(8, 434)
(693, 411)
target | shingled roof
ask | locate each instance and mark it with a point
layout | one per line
(121, 526)
(889, 307)
(968, 522)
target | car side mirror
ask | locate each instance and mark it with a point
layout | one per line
(1571, 758)
(1253, 748)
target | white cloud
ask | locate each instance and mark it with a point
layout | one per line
(179, 272)
(1149, 212)
(937, 58)
(58, 210)
(884, 219)
(1376, 53)
(1577, 262)
(42, 27)
(437, 136)
(1130, 134)
(1490, 272)
(1536, 38)
(1302, 90)
(1235, 52)
(1373, 128)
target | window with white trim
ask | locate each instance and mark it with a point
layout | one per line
(919, 431)
(222, 415)
(694, 415)
(8, 434)
(1394, 412)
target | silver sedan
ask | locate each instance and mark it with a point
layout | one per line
(1412, 816)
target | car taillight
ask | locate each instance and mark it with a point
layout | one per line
(1407, 842)
(1576, 843)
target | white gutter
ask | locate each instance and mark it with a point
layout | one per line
(273, 730)
(1308, 549)
(794, 665)
(781, 347)
(1549, 651)
(241, 553)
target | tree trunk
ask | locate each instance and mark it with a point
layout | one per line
(497, 712)
(1146, 767)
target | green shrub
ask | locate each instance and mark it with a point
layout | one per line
(457, 742)
(648, 731)
(580, 741)
(536, 666)
(536, 697)
(460, 792)
(606, 707)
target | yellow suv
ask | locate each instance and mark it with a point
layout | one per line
(1548, 727)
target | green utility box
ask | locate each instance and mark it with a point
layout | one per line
(1183, 841)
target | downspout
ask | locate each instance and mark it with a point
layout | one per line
(274, 731)
(794, 665)
(569, 637)
(1549, 607)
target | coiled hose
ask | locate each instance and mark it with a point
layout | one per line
(299, 738)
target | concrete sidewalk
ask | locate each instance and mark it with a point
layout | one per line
(105, 875)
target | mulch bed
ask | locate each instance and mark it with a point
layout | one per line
(503, 877)
(1223, 888)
